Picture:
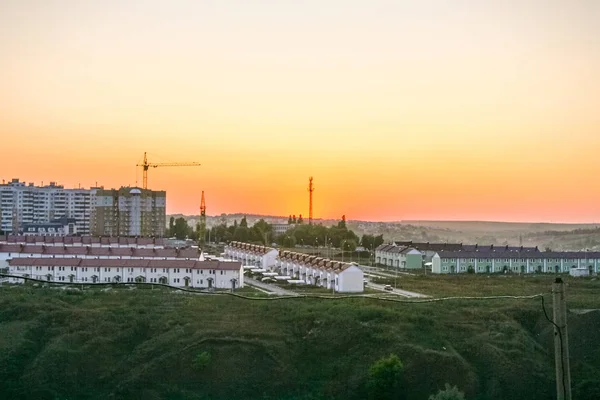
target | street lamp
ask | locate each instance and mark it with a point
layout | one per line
(350, 252)
(343, 245)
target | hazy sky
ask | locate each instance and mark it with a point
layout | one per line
(399, 109)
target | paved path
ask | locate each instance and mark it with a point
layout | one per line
(272, 289)
(400, 292)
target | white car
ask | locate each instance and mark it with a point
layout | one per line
(388, 287)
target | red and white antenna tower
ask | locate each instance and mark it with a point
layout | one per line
(311, 189)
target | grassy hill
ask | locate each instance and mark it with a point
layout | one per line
(160, 344)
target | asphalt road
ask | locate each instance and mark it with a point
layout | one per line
(268, 287)
(399, 292)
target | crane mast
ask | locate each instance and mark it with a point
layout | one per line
(311, 189)
(202, 227)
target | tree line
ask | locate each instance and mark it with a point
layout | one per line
(300, 234)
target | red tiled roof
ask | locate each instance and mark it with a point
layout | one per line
(129, 263)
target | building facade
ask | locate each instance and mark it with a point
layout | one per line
(252, 254)
(182, 273)
(398, 256)
(523, 262)
(10, 251)
(312, 270)
(280, 229)
(57, 227)
(79, 241)
(24, 204)
(129, 212)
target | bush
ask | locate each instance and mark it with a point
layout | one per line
(450, 393)
(385, 378)
(202, 360)
(471, 270)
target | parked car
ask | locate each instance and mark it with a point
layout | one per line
(388, 287)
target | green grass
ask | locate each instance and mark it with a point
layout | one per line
(154, 344)
(581, 292)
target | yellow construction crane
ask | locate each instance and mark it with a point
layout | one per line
(147, 165)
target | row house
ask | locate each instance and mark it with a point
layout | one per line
(182, 273)
(313, 270)
(398, 256)
(252, 254)
(82, 241)
(523, 262)
(14, 251)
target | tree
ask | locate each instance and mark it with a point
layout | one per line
(243, 222)
(349, 245)
(385, 378)
(180, 229)
(300, 220)
(450, 393)
(290, 221)
(171, 223)
(223, 219)
(293, 219)
(262, 231)
(342, 223)
(377, 241)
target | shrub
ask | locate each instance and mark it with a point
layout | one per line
(450, 393)
(385, 378)
(202, 360)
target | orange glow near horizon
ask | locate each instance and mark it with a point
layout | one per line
(402, 111)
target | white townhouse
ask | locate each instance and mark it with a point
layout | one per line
(182, 273)
(252, 254)
(335, 275)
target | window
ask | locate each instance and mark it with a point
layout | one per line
(221, 272)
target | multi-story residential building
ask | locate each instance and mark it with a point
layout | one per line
(128, 212)
(22, 204)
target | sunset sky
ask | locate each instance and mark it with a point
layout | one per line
(449, 109)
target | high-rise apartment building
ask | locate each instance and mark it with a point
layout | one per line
(128, 212)
(96, 211)
(22, 203)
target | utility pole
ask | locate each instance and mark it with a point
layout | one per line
(561, 341)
